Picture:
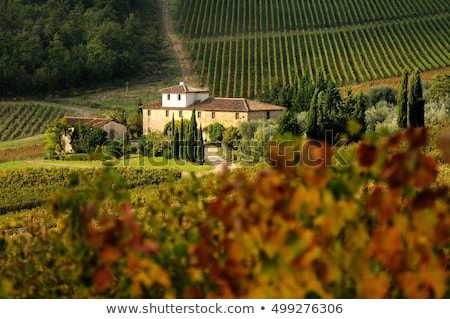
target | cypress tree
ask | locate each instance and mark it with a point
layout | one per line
(321, 113)
(329, 116)
(360, 111)
(172, 129)
(402, 102)
(176, 144)
(288, 123)
(192, 138)
(173, 125)
(416, 102)
(201, 147)
(182, 143)
(312, 129)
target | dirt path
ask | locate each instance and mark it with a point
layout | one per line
(43, 163)
(187, 69)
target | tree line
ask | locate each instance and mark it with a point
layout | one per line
(330, 113)
(52, 46)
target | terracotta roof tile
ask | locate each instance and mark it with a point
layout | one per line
(222, 104)
(91, 121)
(183, 88)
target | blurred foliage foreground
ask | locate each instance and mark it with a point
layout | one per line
(307, 226)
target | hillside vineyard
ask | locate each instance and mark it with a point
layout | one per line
(237, 45)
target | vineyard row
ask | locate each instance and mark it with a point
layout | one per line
(19, 121)
(215, 18)
(238, 66)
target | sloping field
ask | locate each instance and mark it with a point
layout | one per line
(237, 46)
(27, 119)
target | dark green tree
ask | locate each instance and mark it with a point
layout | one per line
(172, 135)
(134, 123)
(215, 132)
(331, 116)
(231, 141)
(402, 102)
(192, 138)
(201, 147)
(303, 95)
(416, 102)
(117, 148)
(289, 124)
(58, 62)
(85, 139)
(357, 108)
(312, 129)
(360, 111)
(382, 93)
(182, 140)
(54, 133)
(172, 126)
(176, 144)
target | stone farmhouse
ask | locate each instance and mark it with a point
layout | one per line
(179, 100)
(114, 129)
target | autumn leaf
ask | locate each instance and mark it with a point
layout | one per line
(103, 279)
(367, 154)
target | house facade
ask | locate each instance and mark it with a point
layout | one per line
(114, 129)
(179, 101)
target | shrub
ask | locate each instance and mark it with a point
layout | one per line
(382, 115)
(382, 93)
(153, 144)
(215, 132)
(437, 111)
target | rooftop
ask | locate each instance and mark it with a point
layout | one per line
(222, 105)
(183, 87)
(91, 121)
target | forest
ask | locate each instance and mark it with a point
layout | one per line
(54, 46)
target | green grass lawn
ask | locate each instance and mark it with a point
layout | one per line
(134, 161)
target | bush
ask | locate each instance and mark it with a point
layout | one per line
(437, 111)
(215, 132)
(256, 136)
(439, 87)
(382, 93)
(153, 144)
(117, 148)
(381, 116)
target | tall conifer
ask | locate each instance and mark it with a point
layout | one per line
(192, 138)
(360, 111)
(416, 102)
(182, 142)
(176, 144)
(312, 129)
(402, 102)
(201, 147)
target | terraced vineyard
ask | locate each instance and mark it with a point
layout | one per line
(237, 45)
(23, 120)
